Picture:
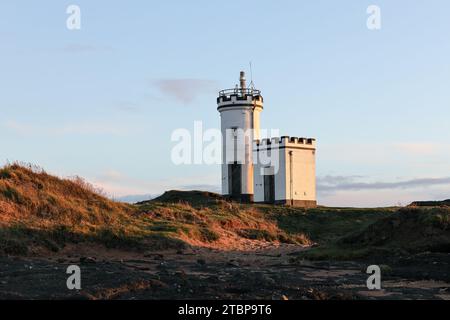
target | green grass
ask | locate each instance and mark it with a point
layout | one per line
(331, 252)
(407, 231)
(325, 225)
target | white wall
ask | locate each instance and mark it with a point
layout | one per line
(303, 173)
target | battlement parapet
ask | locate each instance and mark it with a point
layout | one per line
(251, 99)
(285, 142)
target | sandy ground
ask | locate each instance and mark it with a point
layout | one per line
(258, 270)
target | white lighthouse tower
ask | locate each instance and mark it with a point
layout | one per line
(239, 112)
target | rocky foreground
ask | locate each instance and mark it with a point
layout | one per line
(267, 272)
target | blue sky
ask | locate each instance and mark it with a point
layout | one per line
(102, 102)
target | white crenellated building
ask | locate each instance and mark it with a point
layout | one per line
(276, 170)
(294, 181)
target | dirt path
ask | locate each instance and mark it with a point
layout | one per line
(263, 271)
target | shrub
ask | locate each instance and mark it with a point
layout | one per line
(208, 235)
(13, 195)
(5, 173)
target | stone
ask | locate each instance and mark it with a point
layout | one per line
(233, 263)
(201, 262)
(87, 260)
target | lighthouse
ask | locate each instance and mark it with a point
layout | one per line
(239, 110)
(276, 170)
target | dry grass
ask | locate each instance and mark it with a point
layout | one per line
(222, 224)
(40, 211)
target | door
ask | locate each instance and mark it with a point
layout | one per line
(234, 180)
(269, 188)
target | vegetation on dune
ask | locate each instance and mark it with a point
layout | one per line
(195, 198)
(215, 219)
(407, 231)
(39, 212)
(324, 225)
(444, 203)
(321, 225)
(415, 229)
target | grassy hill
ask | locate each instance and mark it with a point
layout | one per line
(408, 231)
(41, 213)
(444, 203)
(38, 211)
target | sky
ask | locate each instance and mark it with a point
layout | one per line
(102, 102)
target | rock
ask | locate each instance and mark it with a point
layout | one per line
(268, 280)
(156, 256)
(264, 280)
(395, 223)
(201, 262)
(385, 269)
(87, 260)
(277, 296)
(233, 263)
(158, 284)
(181, 273)
(306, 263)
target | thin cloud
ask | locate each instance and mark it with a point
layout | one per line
(185, 90)
(383, 153)
(340, 183)
(83, 128)
(420, 148)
